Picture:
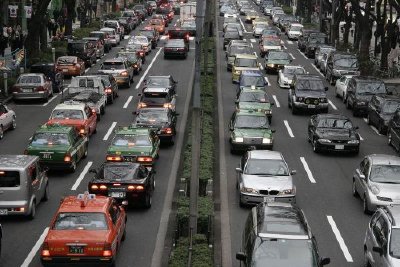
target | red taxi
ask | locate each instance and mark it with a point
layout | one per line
(86, 229)
(70, 65)
(162, 17)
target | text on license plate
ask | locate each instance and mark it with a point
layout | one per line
(339, 147)
(117, 194)
(76, 249)
(26, 90)
(311, 106)
(46, 156)
(3, 211)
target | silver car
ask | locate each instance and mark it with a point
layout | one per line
(263, 175)
(119, 69)
(377, 181)
(8, 120)
(381, 243)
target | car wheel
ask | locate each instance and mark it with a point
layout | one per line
(86, 151)
(380, 129)
(46, 193)
(103, 110)
(314, 146)
(365, 205)
(147, 201)
(1, 132)
(14, 123)
(32, 214)
(389, 140)
(353, 189)
(241, 203)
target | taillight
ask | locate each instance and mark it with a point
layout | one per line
(135, 187)
(93, 111)
(40, 89)
(67, 158)
(94, 187)
(167, 105)
(140, 188)
(82, 131)
(135, 65)
(107, 252)
(78, 65)
(141, 54)
(108, 91)
(45, 250)
(124, 73)
(145, 159)
(103, 187)
(114, 158)
(142, 105)
(167, 130)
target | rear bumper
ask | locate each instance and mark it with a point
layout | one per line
(56, 165)
(254, 199)
(33, 95)
(11, 208)
(332, 147)
(76, 261)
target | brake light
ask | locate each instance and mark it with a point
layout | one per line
(167, 105)
(82, 131)
(94, 187)
(103, 187)
(167, 130)
(141, 54)
(108, 91)
(131, 187)
(145, 159)
(45, 250)
(67, 158)
(140, 188)
(114, 158)
(142, 105)
(78, 65)
(124, 73)
(107, 252)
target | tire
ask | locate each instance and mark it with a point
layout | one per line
(368, 120)
(241, 204)
(344, 98)
(1, 132)
(32, 214)
(365, 206)
(353, 189)
(46, 193)
(147, 201)
(13, 124)
(128, 85)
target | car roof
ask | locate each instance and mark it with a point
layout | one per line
(251, 73)
(132, 130)
(71, 105)
(332, 116)
(384, 159)
(54, 128)
(249, 56)
(365, 78)
(265, 154)
(8, 162)
(94, 204)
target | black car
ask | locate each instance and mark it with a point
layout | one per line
(124, 181)
(360, 90)
(143, 13)
(175, 48)
(167, 82)
(381, 109)
(333, 132)
(127, 23)
(301, 42)
(84, 50)
(394, 131)
(50, 71)
(162, 120)
(313, 41)
(157, 97)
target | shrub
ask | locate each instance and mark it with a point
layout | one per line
(288, 10)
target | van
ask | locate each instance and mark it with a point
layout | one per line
(23, 185)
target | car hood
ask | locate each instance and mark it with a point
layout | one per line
(386, 117)
(272, 47)
(248, 133)
(306, 93)
(277, 61)
(137, 151)
(288, 76)
(387, 190)
(77, 236)
(339, 134)
(365, 98)
(260, 182)
(254, 105)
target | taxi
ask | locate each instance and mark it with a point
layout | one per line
(79, 115)
(256, 100)
(250, 128)
(58, 147)
(158, 25)
(70, 66)
(86, 229)
(243, 62)
(133, 144)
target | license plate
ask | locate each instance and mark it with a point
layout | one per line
(311, 106)
(3, 211)
(339, 147)
(65, 70)
(26, 90)
(269, 199)
(76, 250)
(117, 194)
(46, 156)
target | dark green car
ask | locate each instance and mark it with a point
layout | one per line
(276, 60)
(249, 128)
(58, 147)
(134, 144)
(256, 100)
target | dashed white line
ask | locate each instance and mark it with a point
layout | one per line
(51, 99)
(307, 169)
(35, 248)
(277, 104)
(105, 138)
(290, 132)
(87, 70)
(292, 56)
(290, 42)
(284, 47)
(332, 105)
(375, 130)
(253, 40)
(302, 54)
(82, 175)
(361, 139)
(128, 101)
(319, 72)
(148, 68)
(340, 240)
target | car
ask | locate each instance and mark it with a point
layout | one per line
(279, 234)
(243, 62)
(157, 97)
(161, 120)
(70, 66)
(294, 31)
(286, 22)
(377, 181)
(267, 44)
(119, 29)
(127, 23)
(110, 86)
(120, 69)
(162, 17)
(24, 184)
(86, 229)
(286, 74)
(134, 144)
(302, 39)
(341, 86)
(233, 50)
(144, 41)
(234, 26)
(380, 246)
(133, 60)
(320, 51)
(360, 90)
(158, 25)
(254, 99)
(51, 72)
(230, 19)
(97, 44)
(142, 9)
(166, 10)
(175, 48)
(85, 50)
(258, 29)
(312, 42)
(137, 48)
(381, 109)
(159, 81)
(277, 16)
(32, 86)
(341, 63)
(190, 26)
(58, 147)
(252, 79)
(308, 92)
(393, 133)
(264, 173)
(275, 60)
(179, 33)
(8, 119)
(250, 128)
(105, 39)
(333, 133)
(76, 114)
(151, 34)
(124, 181)
(114, 38)
(229, 36)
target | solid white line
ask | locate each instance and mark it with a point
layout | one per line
(35, 248)
(339, 238)
(261, 67)
(253, 40)
(332, 105)
(266, 79)
(277, 104)
(148, 68)
(307, 169)
(82, 175)
(105, 138)
(292, 55)
(128, 101)
(375, 130)
(241, 22)
(319, 72)
(284, 47)
(51, 99)
(290, 132)
(87, 70)
(302, 54)
(290, 42)
(365, 119)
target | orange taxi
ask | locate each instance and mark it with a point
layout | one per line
(70, 65)
(86, 229)
(158, 25)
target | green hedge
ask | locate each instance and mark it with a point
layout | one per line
(287, 10)
(201, 253)
(83, 32)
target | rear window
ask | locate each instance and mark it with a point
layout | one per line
(9, 179)
(113, 65)
(66, 61)
(80, 221)
(155, 98)
(29, 79)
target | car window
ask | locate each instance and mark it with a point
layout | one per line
(49, 139)
(67, 114)
(131, 140)
(385, 173)
(29, 79)
(266, 168)
(9, 179)
(80, 221)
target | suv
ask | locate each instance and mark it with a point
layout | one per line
(8, 119)
(278, 234)
(380, 244)
(23, 184)
(339, 64)
(381, 109)
(308, 92)
(83, 49)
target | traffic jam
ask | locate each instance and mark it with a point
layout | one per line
(119, 60)
(291, 87)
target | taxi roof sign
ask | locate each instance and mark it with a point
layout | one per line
(85, 197)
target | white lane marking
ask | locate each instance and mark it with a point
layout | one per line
(339, 238)
(277, 104)
(332, 105)
(35, 248)
(284, 47)
(361, 139)
(191, 38)
(292, 56)
(251, 45)
(290, 42)
(164, 37)
(375, 130)
(307, 169)
(128, 101)
(253, 40)
(319, 72)
(105, 138)
(148, 68)
(87, 70)
(290, 132)
(82, 175)
(244, 28)
(266, 79)
(302, 54)
(261, 67)
(51, 99)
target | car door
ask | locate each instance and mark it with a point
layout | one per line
(311, 127)
(359, 182)
(243, 162)
(395, 129)
(379, 240)
(373, 107)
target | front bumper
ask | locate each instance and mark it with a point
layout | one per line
(338, 147)
(246, 146)
(254, 199)
(304, 106)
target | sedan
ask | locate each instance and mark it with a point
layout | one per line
(32, 86)
(143, 41)
(70, 66)
(120, 69)
(7, 120)
(175, 47)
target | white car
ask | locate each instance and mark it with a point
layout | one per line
(285, 75)
(7, 120)
(294, 31)
(115, 38)
(143, 41)
(341, 86)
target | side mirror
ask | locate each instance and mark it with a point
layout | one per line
(241, 256)
(93, 171)
(239, 170)
(293, 172)
(378, 250)
(139, 94)
(326, 88)
(324, 261)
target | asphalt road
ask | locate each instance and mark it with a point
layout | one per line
(21, 240)
(324, 192)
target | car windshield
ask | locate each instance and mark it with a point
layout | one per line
(347, 62)
(252, 80)
(130, 140)
(152, 116)
(335, 123)
(80, 221)
(370, 88)
(232, 34)
(266, 167)
(296, 28)
(29, 79)
(394, 249)
(147, 33)
(283, 253)
(110, 24)
(240, 49)
(246, 62)
(76, 46)
(119, 172)
(273, 42)
(311, 85)
(96, 34)
(9, 179)
(248, 121)
(50, 139)
(261, 26)
(259, 97)
(113, 66)
(232, 27)
(139, 39)
(278, 56)
(390, 107)
(294, 71)
(385, 174)
(66, 114)
(155, 22)
(317, 40)
(157, 82)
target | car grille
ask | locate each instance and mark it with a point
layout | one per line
(313, 101)
(269, 192)
(340, 141)
(253, 140)
(130, 158)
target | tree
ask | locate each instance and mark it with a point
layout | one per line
(364, 22)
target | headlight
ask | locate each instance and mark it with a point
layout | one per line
(353, 142)
(237, 72)
(239, 139)
(324, 141)
(374, 189)
(268, 111)
(249, 190)
(288, 192)
(299, 99)
(267, 141)
(271, 65)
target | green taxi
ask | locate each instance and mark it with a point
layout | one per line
(134, 144)
(250, 128)
(58, 147)
(243, 62)
(256, 100)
